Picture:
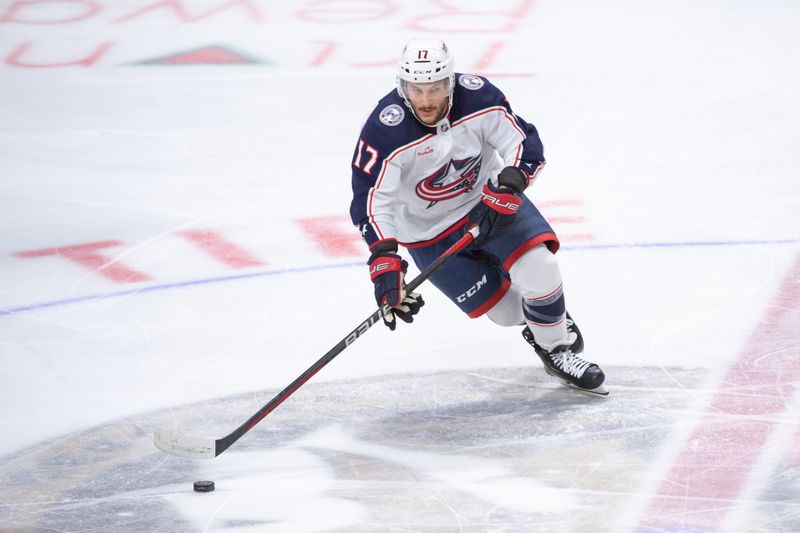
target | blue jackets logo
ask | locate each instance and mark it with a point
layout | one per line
(451, 180)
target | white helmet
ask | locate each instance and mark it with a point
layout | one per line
(425, 61)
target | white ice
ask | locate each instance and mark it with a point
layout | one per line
(671, 133)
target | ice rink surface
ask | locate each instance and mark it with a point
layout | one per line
(175, 249)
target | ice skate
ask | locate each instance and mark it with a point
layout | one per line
(563, 362)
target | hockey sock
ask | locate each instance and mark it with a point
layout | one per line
(538, 279)
(508, 311)
(546, 316)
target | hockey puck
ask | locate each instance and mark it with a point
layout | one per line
(203, 486)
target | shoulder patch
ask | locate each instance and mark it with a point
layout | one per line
(468, 81)
(392, 115)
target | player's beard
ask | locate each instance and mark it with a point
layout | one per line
(441, 112)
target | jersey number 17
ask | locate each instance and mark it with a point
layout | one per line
(371, 152)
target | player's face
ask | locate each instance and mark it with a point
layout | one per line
(429, 100)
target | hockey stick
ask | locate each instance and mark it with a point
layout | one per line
(208, 448)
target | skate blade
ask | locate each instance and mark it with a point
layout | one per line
(601, 390)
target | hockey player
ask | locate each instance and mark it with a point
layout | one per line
(439, 153)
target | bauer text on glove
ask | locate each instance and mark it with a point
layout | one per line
(505, 198)
(387, 271)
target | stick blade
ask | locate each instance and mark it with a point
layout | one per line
(182, 446)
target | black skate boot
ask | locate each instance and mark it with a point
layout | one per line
(564, 363)
(572, 327)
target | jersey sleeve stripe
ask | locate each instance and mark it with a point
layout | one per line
(500, 109)
(518, 157)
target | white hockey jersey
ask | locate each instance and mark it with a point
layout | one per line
(416, 183)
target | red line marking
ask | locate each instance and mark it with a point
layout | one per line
(573, 237)
(220, 249)
(522, 11)
(712, 468)
(71, 249)
(578, 219)
(491, 75)
(327, 49)
(489, 56)
(559, 203)
(209, 55)
(793, 455)
(180, 11)
(330, 236)
(87, 255)
(15, 58)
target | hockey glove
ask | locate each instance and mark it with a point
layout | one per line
(499, 202)
(387, 271)
(506, 197)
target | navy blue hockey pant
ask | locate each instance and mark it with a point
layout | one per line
(477, 278)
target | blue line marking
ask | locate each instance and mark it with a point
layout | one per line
(301, 270)
(175, 285)
(679, 244)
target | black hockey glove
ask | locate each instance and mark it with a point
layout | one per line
(502, 200)
(387, 271)
(506, 198)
